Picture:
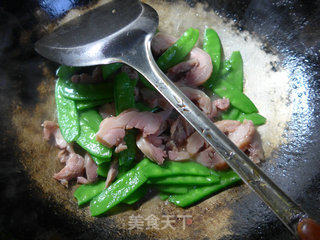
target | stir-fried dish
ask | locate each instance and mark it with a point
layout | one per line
(119, 138)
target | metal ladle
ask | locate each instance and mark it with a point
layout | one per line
(121, 31)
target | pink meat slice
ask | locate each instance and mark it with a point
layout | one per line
(152, 147)
(180, 130)
(211, 159)
(222, 104)
(95, 77)
(112, 130)
(121, 147)
(255, 149)
(112, 173)
(194, 143)
(51, 131)
(197, 69)
(107, 110)
(161, 42)
(74, 168)
(91, 171)
(243, 135)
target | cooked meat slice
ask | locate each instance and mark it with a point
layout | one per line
(243, 135)
(255, 149)
(180, 130)
(91, 168)
(154, 99)
(200, 99)
(227, 126)
(152, 147)
(112, 173)
(121, 147)
(211, 159)
(197, 69)
(161, 42)
(64, 154)
(51, 131)
(107, 110)
(222, 104)
(112, 130)
(179, 155)
(74, 168)
(194, 143)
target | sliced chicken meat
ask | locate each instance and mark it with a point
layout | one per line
(152, 147)
(112, 173)
(112, 130)
(51, 131)
(74, 168)
(91, 171)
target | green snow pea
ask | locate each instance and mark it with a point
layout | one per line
(236, 97)
(124, 99)
(87, 192)
(103, 169)
(87, 138)
(187, 180)
(136, 195)
(173, 189)
(83, 105)
(163, 196)
(170, 168)
(231, 114)
(212, 45)
(68, 118)
(124, 92)
(85, 91)
(99, 161)
(179, 50)
(256, 118)
(66, 72)
(117, 192)
(235, 76)
(92, 118)
(194, 195)
(109, 69)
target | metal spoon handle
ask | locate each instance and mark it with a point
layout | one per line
(284, 207)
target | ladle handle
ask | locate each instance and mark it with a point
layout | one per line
(308, 229)
(283, 206)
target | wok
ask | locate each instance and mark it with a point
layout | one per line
(279, 41)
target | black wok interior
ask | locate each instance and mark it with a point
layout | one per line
(288, 28)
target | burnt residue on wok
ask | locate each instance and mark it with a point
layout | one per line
(286, 28)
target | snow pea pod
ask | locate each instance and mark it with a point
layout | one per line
(179, 50)
(109, 69)
(170, 168)
(103, 169)
(256, 118)
(187, 180)
(92, 118)
(235, 77)
(87, 192)
(194, 195)
(136, 195)
(212, 45)
(124, 98)
(231, 114)
(163, 196)
(68, 118)
(99, 161)
(66, 72)
(87, 138)
(173, 189)
(117, 192)
(237, 98)
(86, 91)
(83, 105)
